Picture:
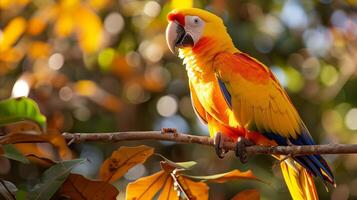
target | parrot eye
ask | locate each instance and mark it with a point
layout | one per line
(196, 20)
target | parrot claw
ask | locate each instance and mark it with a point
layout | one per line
(240, 151)
(218, 145)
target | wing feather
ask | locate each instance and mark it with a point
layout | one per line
(257, 98)
(197, 107)
(259, 101)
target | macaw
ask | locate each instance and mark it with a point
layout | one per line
(239, 98)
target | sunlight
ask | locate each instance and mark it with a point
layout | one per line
(20, 89)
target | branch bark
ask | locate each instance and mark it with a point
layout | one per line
(173, 136)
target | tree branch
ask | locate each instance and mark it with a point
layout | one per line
(173, 136)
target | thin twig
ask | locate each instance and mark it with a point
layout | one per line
(203, 140)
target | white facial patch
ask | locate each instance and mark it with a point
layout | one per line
(194, 26)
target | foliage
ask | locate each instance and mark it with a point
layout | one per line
(59, 181)
(20, 109)
(79, 187)
(122, 160)
(52, 179)
(103, 65)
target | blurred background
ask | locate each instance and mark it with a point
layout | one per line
(103, 65)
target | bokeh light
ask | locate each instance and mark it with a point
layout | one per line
(294, 15)
(114, 23)
(152, 9)
(21, 88)
(56, 61)
(167, 106)
(104, 65)
(351, 119)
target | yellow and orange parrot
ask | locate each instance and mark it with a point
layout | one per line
(238, 97)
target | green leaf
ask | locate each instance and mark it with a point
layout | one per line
(53, 178)
(12, 153)
(228, 176)
(186, 165)
(21, 195)
(179, 165)
(20, 109)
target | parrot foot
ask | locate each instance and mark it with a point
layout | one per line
(218, 145)
(240, 151)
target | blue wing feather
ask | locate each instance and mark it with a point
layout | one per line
(313, 163)
(225, 92)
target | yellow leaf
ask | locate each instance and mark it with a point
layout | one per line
(64, 25)
(146, 188)
(35, 26)
(14, 29)
(251, 194)
(122, 160)
(193, 190)
(85, 87)
(98, 4)
(8, 4)
(178, 4)
(170, 181)
(78, 187)
(89, 30)
(69, 4)
(38, 22)
(169, 192)
(39, 50)
(12, 55)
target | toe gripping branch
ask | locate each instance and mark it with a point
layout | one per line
(241, 151)
(218, 145)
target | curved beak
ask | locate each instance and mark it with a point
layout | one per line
(176, 36)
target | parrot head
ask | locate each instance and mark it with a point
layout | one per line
(187, 27)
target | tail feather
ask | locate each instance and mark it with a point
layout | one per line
(299, 181)
(314, 164)
(317, 166)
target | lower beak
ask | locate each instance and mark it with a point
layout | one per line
(176, 36)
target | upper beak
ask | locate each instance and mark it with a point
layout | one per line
(176, 36)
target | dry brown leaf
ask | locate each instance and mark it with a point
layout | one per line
(41, 150)
(43, 146)
(146, 187)
(79, 188)
(122, 160)
(21, 138)
(22, 126)
(46, 162)
(193, 190)
(251, 194)
(59, 142)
